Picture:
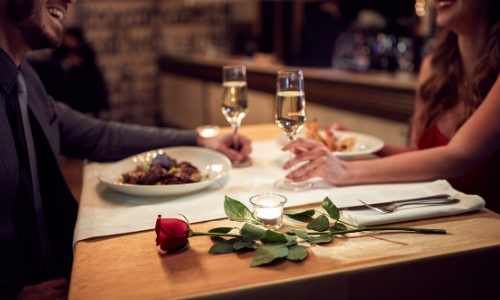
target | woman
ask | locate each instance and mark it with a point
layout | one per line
(455, 126)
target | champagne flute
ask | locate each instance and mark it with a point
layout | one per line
(290, 115)
(234, 102)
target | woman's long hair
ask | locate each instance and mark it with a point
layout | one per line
(446, 87)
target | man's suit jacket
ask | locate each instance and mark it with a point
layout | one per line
(59, 129)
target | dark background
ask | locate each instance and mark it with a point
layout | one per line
(394, 12)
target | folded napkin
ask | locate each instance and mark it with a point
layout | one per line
(346, 197)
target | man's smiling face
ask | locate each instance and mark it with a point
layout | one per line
(39, 21)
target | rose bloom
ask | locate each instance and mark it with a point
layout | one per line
(171, 234)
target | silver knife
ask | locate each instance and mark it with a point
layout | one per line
(428, 199)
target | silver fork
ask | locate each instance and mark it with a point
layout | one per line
(392, 207)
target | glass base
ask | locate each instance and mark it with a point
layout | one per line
(286, 184)
(241, 164)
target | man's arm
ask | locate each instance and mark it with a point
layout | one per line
(99, 140)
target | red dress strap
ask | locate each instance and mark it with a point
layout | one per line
(431, 137)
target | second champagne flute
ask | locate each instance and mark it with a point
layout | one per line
(234, 101)
(290, 115)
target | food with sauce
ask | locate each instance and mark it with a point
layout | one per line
(163, 170)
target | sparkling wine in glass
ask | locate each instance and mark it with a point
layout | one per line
(234, 105)
(290, 115)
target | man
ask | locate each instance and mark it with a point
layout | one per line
(37, 211)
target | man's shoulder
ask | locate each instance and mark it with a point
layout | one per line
(28, 70)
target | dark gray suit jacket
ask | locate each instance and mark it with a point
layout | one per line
(59, 129)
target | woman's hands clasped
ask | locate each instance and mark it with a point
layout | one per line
(319, 162)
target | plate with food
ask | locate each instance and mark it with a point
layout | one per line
(342, 143)
(166, 171)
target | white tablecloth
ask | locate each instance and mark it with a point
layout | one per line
(105, 212)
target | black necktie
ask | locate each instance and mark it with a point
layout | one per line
(42, 233)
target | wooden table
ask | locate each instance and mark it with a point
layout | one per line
(461, 264)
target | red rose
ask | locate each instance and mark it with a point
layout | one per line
(171, 234)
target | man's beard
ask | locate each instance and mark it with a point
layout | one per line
(27, 16)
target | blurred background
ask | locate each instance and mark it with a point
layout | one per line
(118, 44)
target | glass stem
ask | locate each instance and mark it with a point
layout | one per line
(235, 137)
(290, 138)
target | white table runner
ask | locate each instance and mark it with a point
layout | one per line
(105, 212)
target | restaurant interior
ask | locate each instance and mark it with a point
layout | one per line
(129, 39)
(153, 57)
(161, 62)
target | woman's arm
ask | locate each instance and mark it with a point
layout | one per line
(477, 139)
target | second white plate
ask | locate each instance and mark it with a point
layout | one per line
(365, 143)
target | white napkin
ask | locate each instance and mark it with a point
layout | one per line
(349, 196)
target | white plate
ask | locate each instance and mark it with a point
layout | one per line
(210, 163)
(365, 144)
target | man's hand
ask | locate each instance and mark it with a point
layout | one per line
(224, 143)
(56, 289)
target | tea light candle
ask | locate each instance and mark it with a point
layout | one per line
(269, 208)
(269, 215)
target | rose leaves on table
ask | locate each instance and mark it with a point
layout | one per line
(269, 244)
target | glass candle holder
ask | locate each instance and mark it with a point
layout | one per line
(269, 209)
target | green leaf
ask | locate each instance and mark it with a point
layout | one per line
(330, 208)
(289, 238)
(300, 212)
(337, 227)
(320, 239)
(296, 253)
(244, 244)
(299, 232)
(221, 248)
(251, 232)
(237, 211)
(233, 240)
(321, 223)
(269, 252)
(272, 237)
(222, 230)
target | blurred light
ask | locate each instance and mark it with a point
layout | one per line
(208, 130)
(401, 47)
(420, 8)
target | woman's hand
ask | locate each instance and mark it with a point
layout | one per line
(224, 144)
(320, 162)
